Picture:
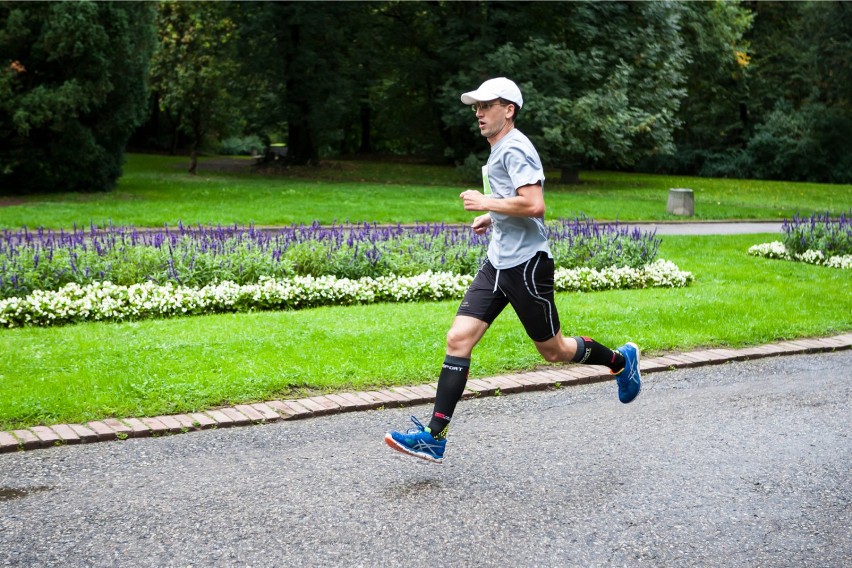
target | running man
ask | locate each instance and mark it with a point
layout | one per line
(518, 270)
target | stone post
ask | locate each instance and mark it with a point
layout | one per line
(681, 202)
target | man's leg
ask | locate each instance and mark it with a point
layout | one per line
(428, 442)
(531, 293)
(463, 336)
(560, 349)
(622, 362)
(481, 304)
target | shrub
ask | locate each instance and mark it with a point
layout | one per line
(76, 92)
(583, 242)
(776, 249)
(470, 171)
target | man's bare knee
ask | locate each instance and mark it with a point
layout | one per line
(464, 334)
(458, 340)
(557, 349)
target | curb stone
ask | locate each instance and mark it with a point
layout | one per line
(38, 437)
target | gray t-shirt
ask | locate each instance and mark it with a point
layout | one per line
(514, 163)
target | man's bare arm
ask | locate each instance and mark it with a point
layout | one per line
(528, 203)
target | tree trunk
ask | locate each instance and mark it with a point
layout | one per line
(193, 162)
(197, 135)
(301, 149)
(301, 142)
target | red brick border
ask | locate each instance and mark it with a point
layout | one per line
(271, 411)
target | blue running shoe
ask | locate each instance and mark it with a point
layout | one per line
(629, 381)
(417, 442)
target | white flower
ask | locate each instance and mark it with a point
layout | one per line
(778, 250)
(660, 273)
(843, 262)
(775, 249)
(106, 301)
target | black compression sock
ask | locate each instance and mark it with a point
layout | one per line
(591, 352)
(451, 384)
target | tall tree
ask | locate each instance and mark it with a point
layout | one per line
(350, 76)
(72, 89)
(425, 45)
(309, 58)
(602, 88)
(714, 115)
(194, 68)
(799, 104)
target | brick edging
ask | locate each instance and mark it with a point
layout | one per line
(37, 437)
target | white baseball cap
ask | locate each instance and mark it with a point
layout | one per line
(499, 88)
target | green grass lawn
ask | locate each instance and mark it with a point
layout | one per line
(156, 190)
(90, 371)
(95, 370)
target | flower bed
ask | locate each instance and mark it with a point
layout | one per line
(120, 273)
(104, 301)
(198, 256)
(816, 240)
(818, 233)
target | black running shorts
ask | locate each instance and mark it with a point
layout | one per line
(528, 287)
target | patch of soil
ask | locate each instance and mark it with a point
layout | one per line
(11, 201)
(220, 164)
(276, 168)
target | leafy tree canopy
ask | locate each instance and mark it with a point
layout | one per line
(72, 89)
(607, 92)
(195, 68)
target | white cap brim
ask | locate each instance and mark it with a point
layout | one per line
(478, 96)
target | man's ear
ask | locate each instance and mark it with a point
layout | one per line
(514, 110)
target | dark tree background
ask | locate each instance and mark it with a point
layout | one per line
(737, 89)
(72, 90)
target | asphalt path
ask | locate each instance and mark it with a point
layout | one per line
(741, 464)
(711, 227)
